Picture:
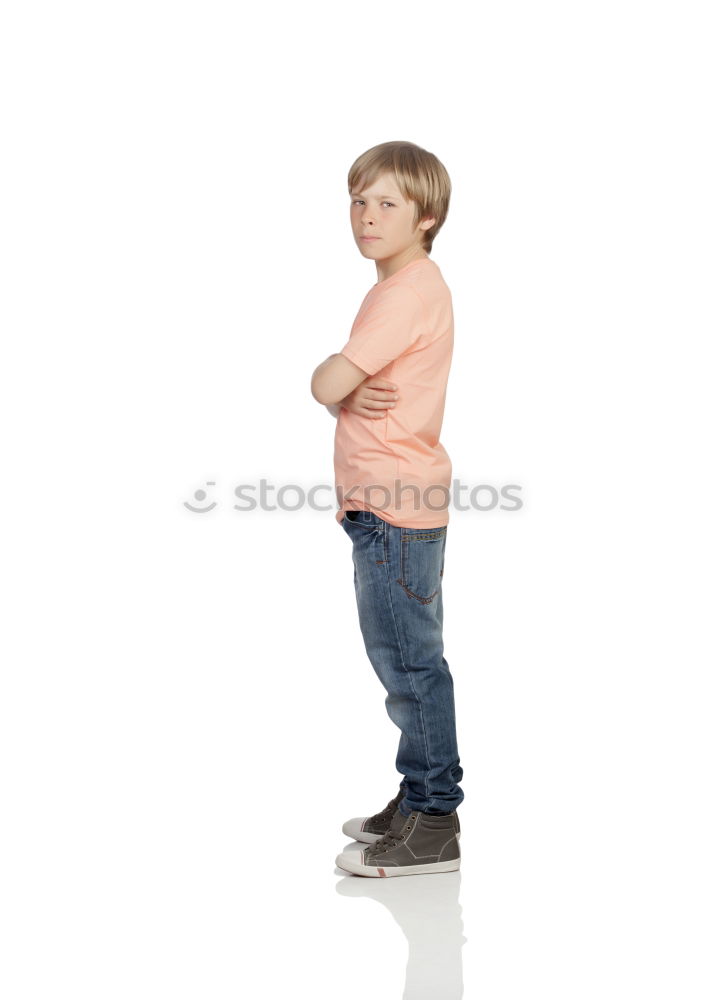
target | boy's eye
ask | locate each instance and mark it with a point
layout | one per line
(358, 202)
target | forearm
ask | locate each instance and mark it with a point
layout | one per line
(333, 408)
(322, 366)
(335, 379)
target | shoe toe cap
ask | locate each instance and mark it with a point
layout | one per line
(354, 826)
(347, 859)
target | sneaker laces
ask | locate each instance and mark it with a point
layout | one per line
(389, 839)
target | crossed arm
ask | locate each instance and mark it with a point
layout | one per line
(335, 378)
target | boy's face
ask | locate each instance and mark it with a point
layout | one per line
(380, 211)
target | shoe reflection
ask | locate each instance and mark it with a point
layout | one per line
(427, 910)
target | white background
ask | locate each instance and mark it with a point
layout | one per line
(187, 713)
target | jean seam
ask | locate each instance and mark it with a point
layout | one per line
(403, 660)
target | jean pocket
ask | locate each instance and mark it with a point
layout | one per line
(362, 518)
(422, 562)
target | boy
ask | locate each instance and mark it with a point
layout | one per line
(387, 389)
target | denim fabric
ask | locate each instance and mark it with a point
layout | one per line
(398, 584)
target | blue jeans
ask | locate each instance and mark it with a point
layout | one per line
(398, 583)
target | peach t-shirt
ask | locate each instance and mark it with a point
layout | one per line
(404, 332)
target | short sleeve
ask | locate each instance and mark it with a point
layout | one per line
(387, 325)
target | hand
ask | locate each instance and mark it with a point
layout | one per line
(371, 398)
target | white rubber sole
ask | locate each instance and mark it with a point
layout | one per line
(352, 861)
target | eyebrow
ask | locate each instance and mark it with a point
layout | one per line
(389, 197)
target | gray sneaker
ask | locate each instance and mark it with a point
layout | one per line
(368, 829)
(418, 844)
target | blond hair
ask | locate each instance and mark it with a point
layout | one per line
(420, 176)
